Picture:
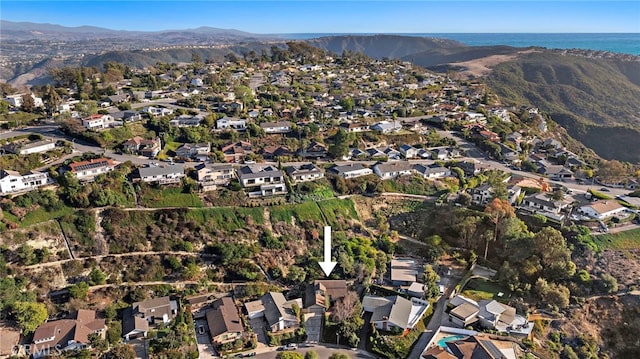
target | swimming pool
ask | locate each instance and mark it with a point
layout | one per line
(442, 342)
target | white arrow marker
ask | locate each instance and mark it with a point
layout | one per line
(327, 265)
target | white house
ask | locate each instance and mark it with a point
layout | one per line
(32, 147)
(12, 181)
(432, 171)
(387, 126)
(98, 121)
(163, 174)
(276, 127)
(390, 170)
(231, 123)
(157, 111)
(602, 209)
(304, 173)
(409, 151)
(187, 121)
(214, 174)
(269, 178)
(91, 168)
(394, 312)
(351, 170)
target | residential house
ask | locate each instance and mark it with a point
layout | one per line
(187, 121)
(128, 116)
(440, 153)
(273, 152)
(98, 122)
(487, 313)
(304, 173)
(137, 319)
(602, 209)
(67, 334)
(472, 347)
(13, 182)
(390, 170)
(324, 293)
(236, 152)
(199, 151)
(545, 205)
(556, 172)
(160, 173)
(86, 170)
(31, 147)
(276, 310)
(387, 126)
(212, 175)
(16, 100)
(416, 290)
(403, 271)
(276, 127)
(471, 168)
(157, 111)
(269, 179)
(432, 171)
(224, 321)
(481, 195)
(231, 123)
(395, 312)
(143, 147)
(513, 194)
(314, 150)
(351, 170)
(408, 151)
(353, 127)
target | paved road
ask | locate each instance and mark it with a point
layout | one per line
(323, 350)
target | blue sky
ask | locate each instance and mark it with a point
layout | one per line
(267, 17)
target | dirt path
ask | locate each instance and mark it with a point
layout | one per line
(102, 248)
(267, 219)
(66, 242)
(130, 254)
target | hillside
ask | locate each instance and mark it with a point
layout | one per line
(595, 99)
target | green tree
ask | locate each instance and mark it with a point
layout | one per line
(341, 142)
(28, 103)
(30, 315)
(79, 290)
(96, 276)
(114, 333)
(431, 278)
(311, 354)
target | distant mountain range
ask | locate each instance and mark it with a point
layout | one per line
(20, 31)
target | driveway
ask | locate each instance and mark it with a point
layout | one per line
(258, 326)
(140, 346)
(205, 348)
(313, 324)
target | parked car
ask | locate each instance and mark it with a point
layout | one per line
(291, 346)
(201, 329)
(603, 189)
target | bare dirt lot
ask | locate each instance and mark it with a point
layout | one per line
(482, 66)
(9, 336)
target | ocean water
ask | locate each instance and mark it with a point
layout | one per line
(628, 43)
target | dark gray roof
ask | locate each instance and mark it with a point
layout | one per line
(396, 312)
(248, 172)
(348, 168)
(161, 170)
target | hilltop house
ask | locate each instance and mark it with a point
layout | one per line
(67, 334)
(432, 171)
(224, 322)
(137, 319)
(314, 150)
(390, 170)
(488, 314)
(231, 123)
(394, 312)
(269, 179)
(199, 151)
(86, 170)
(304, 173)
(602, 209)
(31, 147)
(236, 152)
(323, 293)
(212, 175)
(186, 121)
(157, 111)
(351, 170)
(276, 310)
(545, 205)
(13, 182)
(98, 122)
(276, 127)
(160, 173)
(403, 271)
(409, 151)
(143, 147)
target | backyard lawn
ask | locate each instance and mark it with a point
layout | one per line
(479, 289)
